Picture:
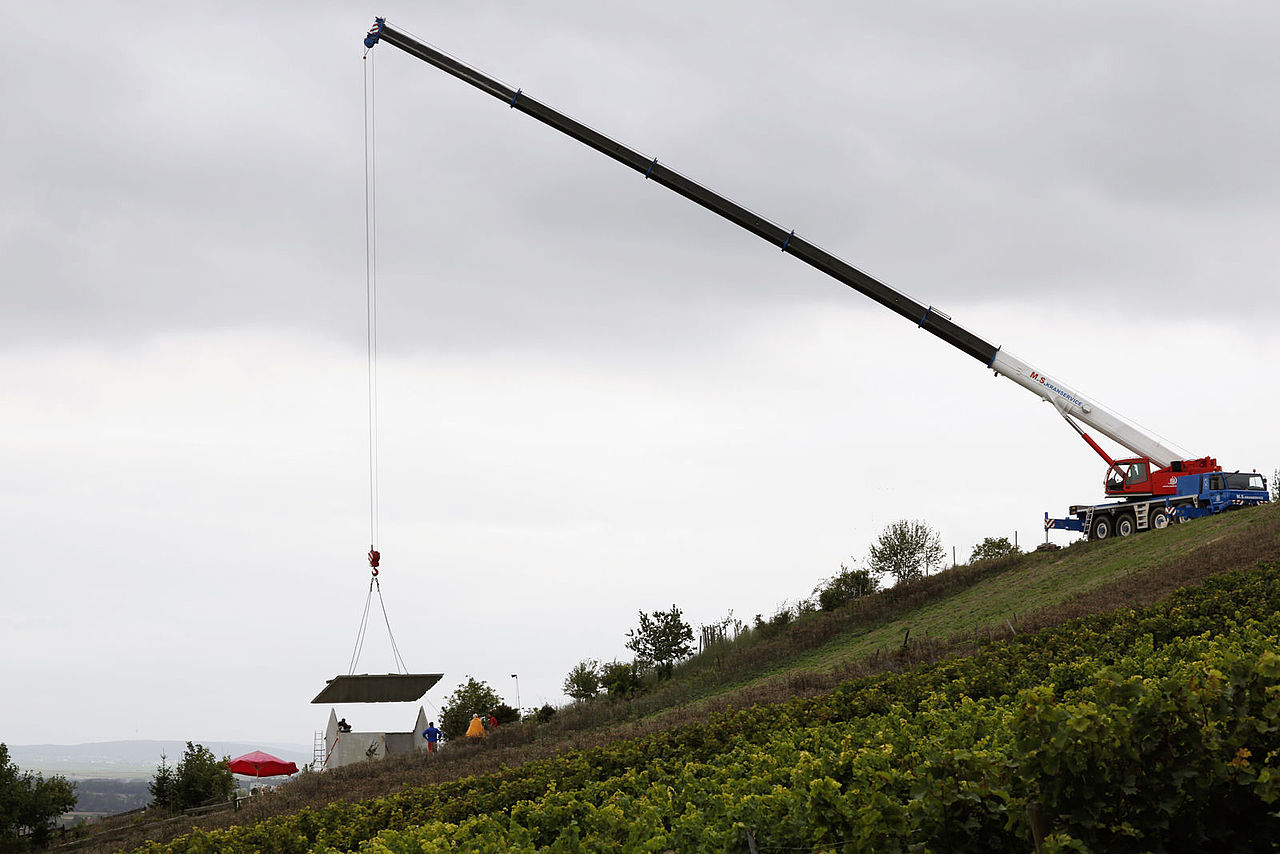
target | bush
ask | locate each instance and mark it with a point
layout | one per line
(845, 586)
(504, 714)
(993, 547)
(781, 618)
(620, 679)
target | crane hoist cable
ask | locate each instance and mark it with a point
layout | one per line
(371, 339)
(375, 585)
(371, 298)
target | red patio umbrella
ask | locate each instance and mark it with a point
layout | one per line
(259, 764)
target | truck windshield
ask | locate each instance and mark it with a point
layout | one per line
(1245, 480)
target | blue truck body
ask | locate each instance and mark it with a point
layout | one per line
(1198, 495)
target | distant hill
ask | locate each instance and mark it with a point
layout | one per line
(137, 759)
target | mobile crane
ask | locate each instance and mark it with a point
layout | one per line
(1149, 490)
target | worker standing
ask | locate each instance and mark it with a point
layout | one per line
(432, 735)
(476, 729)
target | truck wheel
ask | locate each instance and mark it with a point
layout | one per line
(1101, 528)
(1126, 525)
(1157, 518)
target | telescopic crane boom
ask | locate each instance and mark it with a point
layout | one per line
(1153, 471)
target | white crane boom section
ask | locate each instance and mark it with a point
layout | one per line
(1075, 405)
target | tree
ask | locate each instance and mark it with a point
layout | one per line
(29, 804)
(200, 778)
(993, 547)
(470, 698)
(908, 549)
(620, 679)
(845, 586)
(162, 785)
(661, 639)
(583, 681)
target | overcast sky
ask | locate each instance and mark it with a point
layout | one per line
(594, 397)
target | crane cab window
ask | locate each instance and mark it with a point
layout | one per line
(1245, 480)
(1126, 475)
(1216, 482)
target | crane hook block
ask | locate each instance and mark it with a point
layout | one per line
(375, 33)
(374, 557)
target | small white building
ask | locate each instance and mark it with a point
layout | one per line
(347, 748)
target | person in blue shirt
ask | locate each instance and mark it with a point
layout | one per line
(432, 735)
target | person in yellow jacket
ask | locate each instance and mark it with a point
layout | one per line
(476, 729)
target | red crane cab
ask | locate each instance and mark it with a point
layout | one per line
(1139, 476)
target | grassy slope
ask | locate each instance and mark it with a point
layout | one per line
(945, 615)
(1044, 580)
(1041, 588)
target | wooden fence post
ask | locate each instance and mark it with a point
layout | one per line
(1035, 817)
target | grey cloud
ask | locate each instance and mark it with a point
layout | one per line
(203, 170)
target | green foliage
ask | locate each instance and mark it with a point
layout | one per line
(163, 785)
(620, 679)
(1140, 730)
(504, 714)
(661, 639)
(845, 586)
(908, 549)
(545, 713)
(472, 697)
(200, 778)
(993, 547)
(783, 617)
(583, 681)
(29, 804)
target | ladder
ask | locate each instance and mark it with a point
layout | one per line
(319, 752)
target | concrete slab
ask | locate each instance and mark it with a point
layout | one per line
(378, 688)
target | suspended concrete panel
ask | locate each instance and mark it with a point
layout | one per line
(378, 688)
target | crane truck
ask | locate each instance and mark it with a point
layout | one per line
(1150, 490)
